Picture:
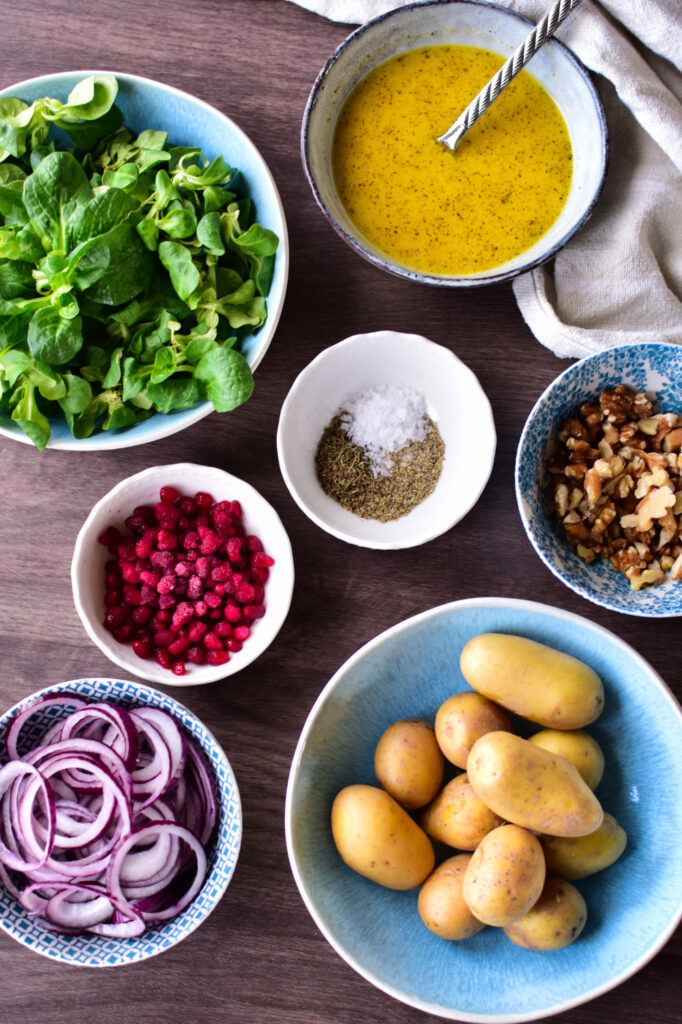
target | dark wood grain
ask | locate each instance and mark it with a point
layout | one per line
(259, 958)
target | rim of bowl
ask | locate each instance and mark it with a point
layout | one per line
(378, 545)
(78, 685)
(199, 674)
(439, 280)
(103, 440)
(294, 772)
(521, 504)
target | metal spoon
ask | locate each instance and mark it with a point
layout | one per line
(489, 93)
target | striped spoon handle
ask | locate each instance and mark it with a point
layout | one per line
(559, 10)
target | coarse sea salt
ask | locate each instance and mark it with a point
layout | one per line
(383, 420)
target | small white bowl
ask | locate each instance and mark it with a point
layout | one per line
(89, 558)
(455, 402)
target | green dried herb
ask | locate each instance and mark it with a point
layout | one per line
(345, 473)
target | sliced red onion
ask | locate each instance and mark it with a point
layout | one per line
(103, 825)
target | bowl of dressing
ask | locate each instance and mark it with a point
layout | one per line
(523, 180)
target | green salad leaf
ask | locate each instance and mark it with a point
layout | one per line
(129, 267)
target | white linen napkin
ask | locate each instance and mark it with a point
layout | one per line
(619, 280)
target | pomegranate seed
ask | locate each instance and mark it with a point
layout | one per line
(195, 654)
(167, 515)
(234, 548)
(123, 633)
(164, 638)
(187, 505)
(220, 589)
(141, 615)
(130, 573)
(203, 499)
(169, 494)
(167, 601)
(210, 541)
(212, 599)
(253, 543)
(183, 613)
(233, 645)
(142, 649)
(212, 641)
(115, 617)
(232, 613)
(112, 597)
(262, 561)
(136, 524)
(236, 509)
(167, 583)
(162, 560)
(110, 538)
(149, 577)
(202, 567)
(223, 628)
(148, 595)
(241, 633)
(196, 631)
(133, 596)
(260, 575)
(180, 645)
(253, 611)
(245, 592)
(222, 519)
(195, 588)
(166, 540)
(217, 657)
(145, 544)
(183, 569)
(191, 540)
(163, 617)
(126, 550)
(178, 668)
(200, 608)
(163, 657)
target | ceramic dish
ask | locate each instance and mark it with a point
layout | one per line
(633, 907)
(95, 950)
(471, 23)
(655, 369)
(189, 121)
(89, 558)
(455, 401)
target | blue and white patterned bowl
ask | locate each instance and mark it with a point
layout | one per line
(633, 907)
(189, 121)
(654, 368)
(95, 950)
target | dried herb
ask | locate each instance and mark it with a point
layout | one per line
(345, 473)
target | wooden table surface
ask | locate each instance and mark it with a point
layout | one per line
(259, 958)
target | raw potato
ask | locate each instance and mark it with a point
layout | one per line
(505, 875)
(555, 921)
(441, 905)
(378, 839)
(532, 787)
(585, 855)
(408, 762)
(577, 747)
(535, 681)
(463, 719)
(457, 816)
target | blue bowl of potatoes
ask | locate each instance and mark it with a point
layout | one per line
(623, 913)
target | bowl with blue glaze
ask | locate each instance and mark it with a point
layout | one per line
(633, 907)
(90, 950)
(189, 121)
(474, 23)
(655, 369)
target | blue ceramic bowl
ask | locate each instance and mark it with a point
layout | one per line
(656, 369)
(188, 121)
(95, 950)
(633, 907)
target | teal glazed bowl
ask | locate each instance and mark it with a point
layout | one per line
(633, 907)
(188, 121)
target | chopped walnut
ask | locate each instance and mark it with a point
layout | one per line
(616, 485)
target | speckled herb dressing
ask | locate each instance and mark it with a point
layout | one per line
(430, 209)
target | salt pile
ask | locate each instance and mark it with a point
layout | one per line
(383, 420)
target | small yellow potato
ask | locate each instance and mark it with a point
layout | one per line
(441, 905)
(377, 838)
(533, 680)
(581, 749)
(555, 921)
(457, 816)
(408, 762)
(505, 875)
(532, 787)
(585, 855)
(463, 719)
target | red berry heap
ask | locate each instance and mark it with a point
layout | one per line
(187, 583)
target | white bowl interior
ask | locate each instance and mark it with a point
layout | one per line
(470, 24)
(455, 402)
(89, 558)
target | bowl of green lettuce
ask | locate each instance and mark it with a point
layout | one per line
(143, 261)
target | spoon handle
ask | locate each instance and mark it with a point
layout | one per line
(559, 10)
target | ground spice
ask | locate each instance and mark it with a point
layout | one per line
(347, 474)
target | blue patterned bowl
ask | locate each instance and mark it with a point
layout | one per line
(95, 950)
(656, 369)
(633, 907)
(189, 121)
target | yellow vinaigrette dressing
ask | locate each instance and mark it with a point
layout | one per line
(433, 210)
